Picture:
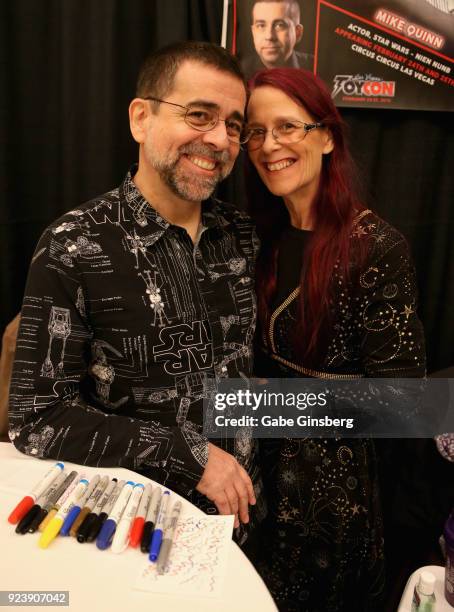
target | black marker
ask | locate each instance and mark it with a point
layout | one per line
(50, 501)
(92, 524)
(35, 510)
(150, 521)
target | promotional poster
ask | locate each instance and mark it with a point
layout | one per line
(371, 53)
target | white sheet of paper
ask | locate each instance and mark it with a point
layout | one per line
(198, 559)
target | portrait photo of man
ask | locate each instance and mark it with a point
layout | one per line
(276, 31)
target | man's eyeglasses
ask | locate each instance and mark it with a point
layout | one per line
(286, 133)
(205, 119)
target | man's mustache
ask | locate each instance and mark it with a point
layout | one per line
(197, 148)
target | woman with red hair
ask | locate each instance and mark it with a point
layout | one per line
(336, 300)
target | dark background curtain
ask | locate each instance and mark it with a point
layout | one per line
(67, 73)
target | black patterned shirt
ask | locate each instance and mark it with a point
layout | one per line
(126, 325)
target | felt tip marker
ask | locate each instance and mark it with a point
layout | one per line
(105, 536)
(27, 502)
(90, 503)
(169, 537)
(35, 511)
(121, 538)
(92, 524)
(106, 510)
(53, 528)
(52, 499)
(150, 520)
(75, 510)
(156, 540)
(137, 527)
(60, 501)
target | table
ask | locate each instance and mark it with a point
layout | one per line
(439, 572)
(100, 580)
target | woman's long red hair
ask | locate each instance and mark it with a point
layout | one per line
(334, 207)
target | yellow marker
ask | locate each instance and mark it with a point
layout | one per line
(49, 516)
(53, 528)
(51, 532)
(61, 500)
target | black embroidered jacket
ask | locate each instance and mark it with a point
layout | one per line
(324, 528)
(376, 331)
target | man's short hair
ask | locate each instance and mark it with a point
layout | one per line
(157, 73)
(293, 8)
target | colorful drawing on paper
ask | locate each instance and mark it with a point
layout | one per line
(198, 560)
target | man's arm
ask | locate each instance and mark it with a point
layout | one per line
(226, 483)
(49, 417)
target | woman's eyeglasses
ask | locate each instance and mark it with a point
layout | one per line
(286, 133)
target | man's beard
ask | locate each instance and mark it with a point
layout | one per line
(184, 184)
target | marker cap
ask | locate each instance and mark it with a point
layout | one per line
(95, 526)
(36, 522)
(146, 537)
(21, 510)
(104, 539)
(69, 520)
(26, 521)
(84, 527)
(51, 532)
(79, 521)
(136, 531)
(120, 540)
(47, 519)
(164, 556)
(155, 545)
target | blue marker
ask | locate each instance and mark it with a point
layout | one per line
(159, 528)
(104, 539)
(75, 510)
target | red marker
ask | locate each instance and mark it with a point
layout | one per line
(137, 527)
(24, 506)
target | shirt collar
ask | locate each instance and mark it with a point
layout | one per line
(144, 215)
(212, 216)
(148, 218)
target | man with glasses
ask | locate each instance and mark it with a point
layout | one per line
(276, 30)
(154, 281)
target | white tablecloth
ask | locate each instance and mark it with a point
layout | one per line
(100, 580)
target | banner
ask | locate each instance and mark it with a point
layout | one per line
(370, 53)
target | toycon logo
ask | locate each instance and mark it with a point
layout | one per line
(359, 85)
